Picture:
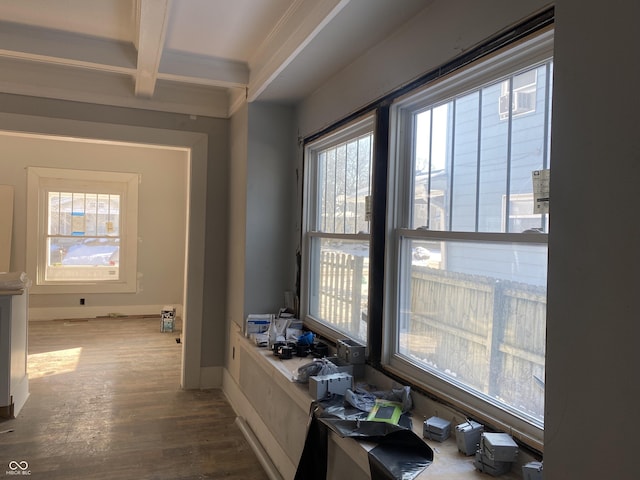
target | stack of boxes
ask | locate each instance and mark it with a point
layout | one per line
(496, 454)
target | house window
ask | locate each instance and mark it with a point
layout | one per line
(85, 230)
(468, 270)
(336, 252)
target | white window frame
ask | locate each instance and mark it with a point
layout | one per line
(310, 234)
(40, 181)
(522, 55)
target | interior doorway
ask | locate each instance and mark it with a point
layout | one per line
(194, 148)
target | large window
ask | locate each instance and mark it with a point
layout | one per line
(84, 230)
(338, 182)
(469, 265)
(459, 239)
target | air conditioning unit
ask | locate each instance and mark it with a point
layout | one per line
(521, 102)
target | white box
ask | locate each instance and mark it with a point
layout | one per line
(257, 323)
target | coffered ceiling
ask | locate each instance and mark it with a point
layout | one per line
(202, 57)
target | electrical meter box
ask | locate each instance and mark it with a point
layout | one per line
(468, 437)
(499, 447)
(532, 471)
(494, 468)
(321, 386)
(350, 351)
(436, 428)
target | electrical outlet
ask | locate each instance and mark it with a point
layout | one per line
(82, 301)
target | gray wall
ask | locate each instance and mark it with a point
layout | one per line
(262, 208)
(271, 197)
(592, 380)
(212, 194)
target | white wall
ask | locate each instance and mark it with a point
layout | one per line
(161, 215)
(436, 35)
(592, 380)
(239, 131)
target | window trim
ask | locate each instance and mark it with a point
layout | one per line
(524, 54)
(340, 134)
(384, 192)
(41, 180)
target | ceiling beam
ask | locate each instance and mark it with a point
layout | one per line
(92, 86)
(152, 23)
(202, 70)
(62, 48)
(302, 22)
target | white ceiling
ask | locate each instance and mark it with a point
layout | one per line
(189, 56)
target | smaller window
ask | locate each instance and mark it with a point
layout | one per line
(85, 230)
(337, 230)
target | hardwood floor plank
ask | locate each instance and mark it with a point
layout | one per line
(106, 404)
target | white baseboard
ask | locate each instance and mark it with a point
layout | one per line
(85, 311)
(243, 408)
(19, 395)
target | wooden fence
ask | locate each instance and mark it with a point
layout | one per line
(341, 280)
(487, 334)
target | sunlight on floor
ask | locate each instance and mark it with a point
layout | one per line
(53, 363)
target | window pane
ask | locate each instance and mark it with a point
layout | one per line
(83, 243)
(339, 284)
(527, 151)
(82, 259)
(420, 210)
(474, 314)
(493, 161)
(434, 134)
(465, 166)
(343, 185)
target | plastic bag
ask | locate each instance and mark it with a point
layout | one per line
(320, 366)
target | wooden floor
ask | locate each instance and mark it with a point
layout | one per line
(106, 404)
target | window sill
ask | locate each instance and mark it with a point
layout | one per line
(448, 461)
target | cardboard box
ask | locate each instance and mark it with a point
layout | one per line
(257, 323)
